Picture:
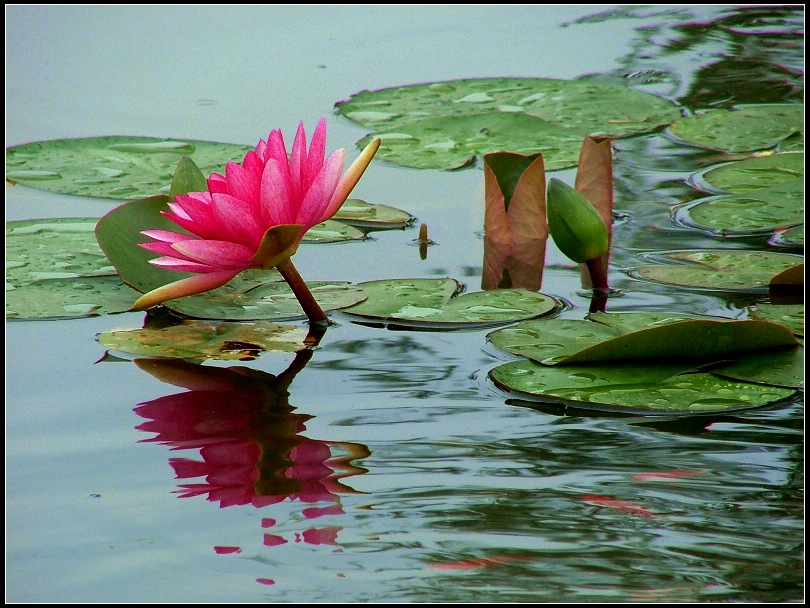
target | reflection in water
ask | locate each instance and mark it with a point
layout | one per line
(250, 441)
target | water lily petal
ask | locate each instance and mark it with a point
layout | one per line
(278, 206)
(222, 254)
(184, 287)
(352, 176)
(182, 265)
(236, 220)
(317, 153)
(315, 205)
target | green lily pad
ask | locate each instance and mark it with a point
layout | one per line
(759, 212)
(475, 116)
(332, 231)
(84, 296)
(455, 142)
(783, 368)
(635, 389)
(747, 128)
(200, 340)
(752, 174)
(117, 167)
(60, 248)
(436, 303)
(359, 213)
(789, 315)
(263, 295)
(717, 270)
(638, 336)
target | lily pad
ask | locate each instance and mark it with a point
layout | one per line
(263, 294)
(439, 303)
(789, 315)
(200, 340)
(447, 124)
(759, 212)
(116, 167)
(359, 213)
(59, 248)
(746, 128)
(636, 389)
(85, 296)
(638, 336)
(789, 238)
(752, 174)
(332, 231)
(717, 270)
(783, 368)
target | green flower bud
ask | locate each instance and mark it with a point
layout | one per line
(574, 223)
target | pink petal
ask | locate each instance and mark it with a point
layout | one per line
(317, 152)
(167, 236)
(181, 265)
(315, 206)
(243, 183)
(221, 254)
(237, 220)
(298, 159)
(278, 206)
(185, 287)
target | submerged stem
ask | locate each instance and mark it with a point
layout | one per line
(311, 307)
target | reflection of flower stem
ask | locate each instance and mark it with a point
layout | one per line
(311, 307)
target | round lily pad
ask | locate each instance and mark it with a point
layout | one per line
(359, 213)
(448, 124)
(439, 303)
(752, 174)
(746, 128)
(789, 315)
(634, 389)
(716, 270)
(200, 340)
(788, 238)
(738, 215)
(116, 167)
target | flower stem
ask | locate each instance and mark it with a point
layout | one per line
(599, 284)
(311, 307)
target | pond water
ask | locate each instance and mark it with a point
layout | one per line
(415, 479)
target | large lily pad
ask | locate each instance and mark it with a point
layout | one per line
(638, 336)
(86, 296)
(651, 389)
(200, 340)
(752, 174)
(783, 368)
(746, 128)
(446, 125)
(789, 315)
(116, 167)
(759, 212)
(717, 270)
(439, 303)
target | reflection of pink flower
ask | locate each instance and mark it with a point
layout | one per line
(248, 437)
(255, 215)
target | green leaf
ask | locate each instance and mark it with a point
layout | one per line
(783, 368)
(761, 211)
(117, 167)
(746, 128)
(84, 296)
(445, 125)
(199, 340)
(435, 303)
(752, 174)
(638, 336)
(263, 294)
(188, 178)
(789, 315)
(791, 238)
(651, 389)
(717, 270)
(359, 213)
(332, 231)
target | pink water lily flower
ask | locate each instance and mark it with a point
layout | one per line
(254, 216)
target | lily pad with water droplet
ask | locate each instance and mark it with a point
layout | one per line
(447, 124)
(789, 315)
(746, 128)
(51, 299)
(638, 336)
(751, 174)
(439, 303)
(783, 368)
(651, 389)
(717, 269)
(739, 215)
(116, 167)
(200, 340)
